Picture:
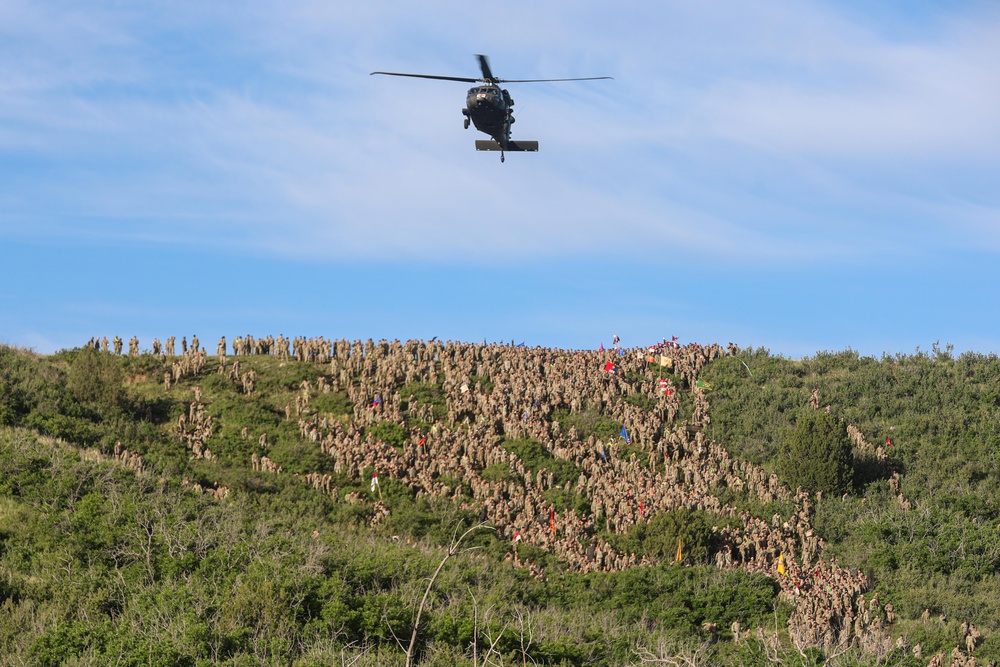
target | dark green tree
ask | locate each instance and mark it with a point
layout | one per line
(817, 454)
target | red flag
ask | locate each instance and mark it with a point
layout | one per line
(552, 520)
(423, 440)
(640, 508)
(888, 441)
(517, 537)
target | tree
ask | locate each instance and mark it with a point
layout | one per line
(817, 454)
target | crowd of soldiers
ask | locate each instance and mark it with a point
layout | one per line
(194, 427)
(497, 393)
(124, 456)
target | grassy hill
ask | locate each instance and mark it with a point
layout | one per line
(193, 509)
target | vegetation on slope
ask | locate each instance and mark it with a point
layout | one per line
(104, 563)
(933, 542)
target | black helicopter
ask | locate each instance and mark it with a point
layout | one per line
(490, 108)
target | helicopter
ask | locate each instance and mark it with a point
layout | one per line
(490, 107)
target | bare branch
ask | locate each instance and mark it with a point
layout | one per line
(453, 549)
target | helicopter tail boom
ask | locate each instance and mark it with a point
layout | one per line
(512, 146)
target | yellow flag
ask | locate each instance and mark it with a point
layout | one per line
(680, 557)
(781, 563)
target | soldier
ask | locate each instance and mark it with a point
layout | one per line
(194, 342)
(170, 346)
(184, 344)
(221, 348)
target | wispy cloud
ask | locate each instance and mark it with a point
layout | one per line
(757, 134)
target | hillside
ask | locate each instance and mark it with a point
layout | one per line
(291, 503)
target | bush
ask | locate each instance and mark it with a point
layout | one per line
(817, 455)
(659, 536)
(390, 433)
(96, 380)
(691, 528)
(536, 457)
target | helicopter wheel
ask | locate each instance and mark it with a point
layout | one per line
(467, 123)
(501, 158)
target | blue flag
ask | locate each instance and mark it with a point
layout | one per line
(628, 440)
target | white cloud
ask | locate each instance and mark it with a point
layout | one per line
(731, 130)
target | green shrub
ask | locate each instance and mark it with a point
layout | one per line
(659, 537)
(817, 454)
(536, 457)
(390, 433)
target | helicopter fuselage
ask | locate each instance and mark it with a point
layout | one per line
(489, 109)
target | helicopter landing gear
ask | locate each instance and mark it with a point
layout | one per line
(501, 157)
(467, 123)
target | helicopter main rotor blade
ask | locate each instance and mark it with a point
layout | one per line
(584, 78)
(484, 65)
(432, 76)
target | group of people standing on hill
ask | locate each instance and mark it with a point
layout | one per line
(305, 349)
(495, 394)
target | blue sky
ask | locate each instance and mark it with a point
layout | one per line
(802, 176)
